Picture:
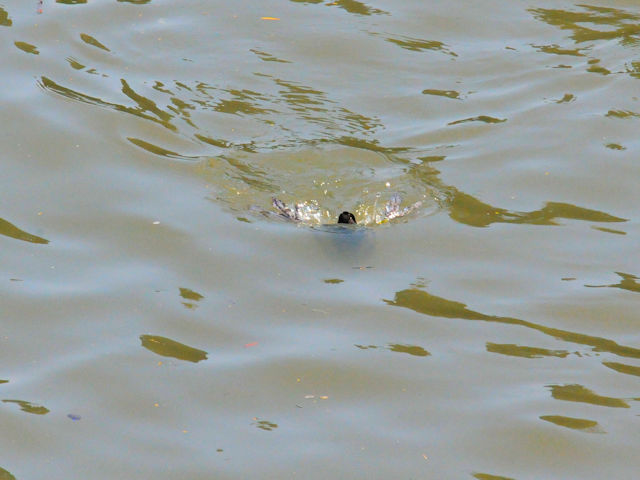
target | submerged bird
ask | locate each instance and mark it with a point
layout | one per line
(392, 210)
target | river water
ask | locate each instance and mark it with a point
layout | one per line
(159, 319)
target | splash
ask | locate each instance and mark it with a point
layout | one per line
(319, 183)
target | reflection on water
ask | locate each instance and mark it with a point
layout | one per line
(468, 210)
(363, 182)
(157, 150)
(582, 424)
(89, 40)
(418, 45)
(265, 425)
(170, 348)
(145, 108)
(623, 368)
(594, 23)
(29, 407)
(10, 230)
(350, 6)
(479, 118)
(316, 163)
(442, 93)
(622, 114)
(567, 98)
(615, 146)
(557, 50)
(414, 350)
(267, 57)
(578, 393)
(301, 111)
(425, 303)
(5, 21)
(488, 476)
(525, 352)
(178, 110)
(358, 181)
(4, 475)
(27, 47)
(191, 297)
(628, 282)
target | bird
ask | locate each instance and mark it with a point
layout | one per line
(392, 210)
(347, 217)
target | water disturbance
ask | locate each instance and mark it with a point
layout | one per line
(162, 316)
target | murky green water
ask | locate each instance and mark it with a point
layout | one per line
(160, 320)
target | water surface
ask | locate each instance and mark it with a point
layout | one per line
(159, 320)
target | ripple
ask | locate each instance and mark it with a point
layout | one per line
(321, 182)
(479, 118)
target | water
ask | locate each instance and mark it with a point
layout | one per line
(157, 322)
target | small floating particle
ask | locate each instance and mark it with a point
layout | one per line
(156, 404)
(425, 456)
(309, 396)
(252, 344)
(73, 416)
(156, 222)
(269, 18)
(324, 397)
